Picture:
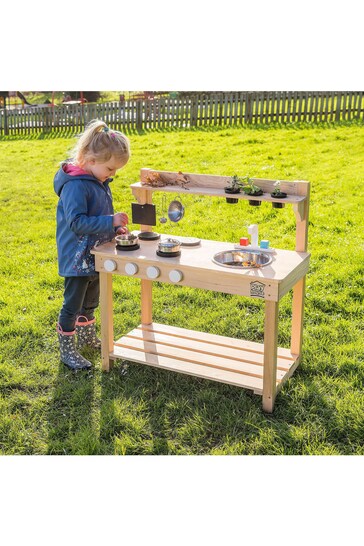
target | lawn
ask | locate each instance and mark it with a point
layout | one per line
(46, 409)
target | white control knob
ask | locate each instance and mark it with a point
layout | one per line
(153, 272)
(175, 275)
(110, 265)
(131, 268)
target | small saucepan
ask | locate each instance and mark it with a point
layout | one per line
(169, 245)
(128, 239)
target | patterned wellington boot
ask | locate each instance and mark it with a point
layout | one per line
(86, 333)
(69, 355)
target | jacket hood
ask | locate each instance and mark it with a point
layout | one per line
(61, 178)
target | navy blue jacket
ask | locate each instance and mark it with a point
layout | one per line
(84, 219)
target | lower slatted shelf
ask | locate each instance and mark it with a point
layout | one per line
(210, 356)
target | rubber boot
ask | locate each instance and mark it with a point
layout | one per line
(69, 355)
(86, 333)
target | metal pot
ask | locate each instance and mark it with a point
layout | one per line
(169, 245)
(127, 239)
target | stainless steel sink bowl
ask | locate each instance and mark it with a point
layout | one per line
(239, 259)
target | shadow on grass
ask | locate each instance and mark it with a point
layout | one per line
(148, 411)
(156, 412)
(72, 422)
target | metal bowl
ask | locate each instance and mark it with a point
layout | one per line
(169, 245)
(239, 259)
(127, 239)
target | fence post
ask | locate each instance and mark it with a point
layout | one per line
(248, 108)
(44, 120)
(139, 116)
(338, 106)
(193, 110)
(6, 125)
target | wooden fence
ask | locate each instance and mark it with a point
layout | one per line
(195, 110)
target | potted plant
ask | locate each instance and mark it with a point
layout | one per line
(252, 189)
(278, 194)
(234, 186)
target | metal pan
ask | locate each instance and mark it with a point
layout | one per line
(169, 245)
(128, 239)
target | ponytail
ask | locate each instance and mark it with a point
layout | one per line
(99, 142)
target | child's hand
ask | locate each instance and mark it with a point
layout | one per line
(122, 231)
(120, 219)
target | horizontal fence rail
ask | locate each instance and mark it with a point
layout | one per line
(195, 110)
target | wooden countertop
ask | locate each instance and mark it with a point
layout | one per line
(198, 269)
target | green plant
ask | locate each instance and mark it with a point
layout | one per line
(234, 183)
(250, 188)
(277, 189)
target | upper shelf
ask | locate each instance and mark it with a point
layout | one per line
(219, 192)
(213, 185)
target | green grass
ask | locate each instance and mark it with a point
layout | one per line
(45, 409)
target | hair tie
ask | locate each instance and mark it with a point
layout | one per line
(105, 129)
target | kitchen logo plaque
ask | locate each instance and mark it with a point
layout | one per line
(257, 289)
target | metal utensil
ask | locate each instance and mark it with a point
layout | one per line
(163, 218)
(176, 210)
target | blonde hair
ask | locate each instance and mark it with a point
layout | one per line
(101, 143)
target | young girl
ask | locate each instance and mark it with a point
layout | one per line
(85, 218)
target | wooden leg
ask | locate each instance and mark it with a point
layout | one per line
(107, 325)
(146, 301)
(297, 316)
(270, 355)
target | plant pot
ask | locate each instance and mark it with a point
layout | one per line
(280, 195)
(254, 203)
(231, 200)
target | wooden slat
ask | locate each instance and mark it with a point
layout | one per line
(215, 339)
(269, 107)
(305, 106)
(199, 345)
(173, 116)
(299, 106)
(359, 105)
(343, 105)
(278, 106)
(189, 368)
(288, 107)
(189, 355)
(235, 108)
(338, 106)
(184, 352)
(261, 106)
(349, 107)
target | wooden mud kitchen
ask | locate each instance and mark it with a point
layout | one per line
(261, 367)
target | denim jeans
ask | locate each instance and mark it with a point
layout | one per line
(81, 297)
